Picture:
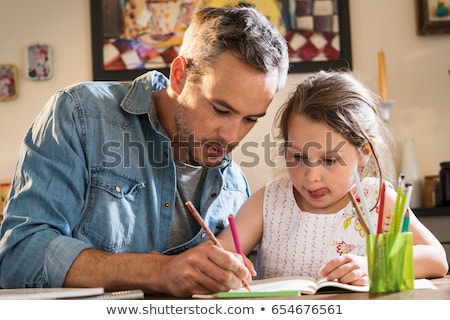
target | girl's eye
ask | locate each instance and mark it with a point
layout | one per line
(329, 162)
(295, 158)
(298, 157)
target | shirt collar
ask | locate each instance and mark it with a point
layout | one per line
(138, 99)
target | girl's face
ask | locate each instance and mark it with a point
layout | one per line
(320, 163)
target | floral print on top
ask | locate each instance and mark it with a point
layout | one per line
(298, 243)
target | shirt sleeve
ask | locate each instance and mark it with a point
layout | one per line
(46, 199)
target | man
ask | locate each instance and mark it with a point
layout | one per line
(99, 191)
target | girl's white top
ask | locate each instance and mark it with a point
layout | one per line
(298, 243)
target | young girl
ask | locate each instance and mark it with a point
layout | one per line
(305, 224)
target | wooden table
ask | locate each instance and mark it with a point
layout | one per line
(442, 293)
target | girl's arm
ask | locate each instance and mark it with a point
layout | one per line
(249, 224)
(430, 260)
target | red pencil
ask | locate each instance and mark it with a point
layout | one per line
(381, 209)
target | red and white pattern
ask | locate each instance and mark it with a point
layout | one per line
(297, 243)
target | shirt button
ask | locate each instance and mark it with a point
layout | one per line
(213, 195)
(118, 189)
(203, 235)
(166, 205)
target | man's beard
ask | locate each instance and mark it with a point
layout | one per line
(186, 139)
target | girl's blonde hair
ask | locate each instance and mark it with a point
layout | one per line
(339, 101)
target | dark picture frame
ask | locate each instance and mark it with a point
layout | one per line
(433, 17)
(315, 49)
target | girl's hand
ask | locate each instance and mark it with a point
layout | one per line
(348, 268)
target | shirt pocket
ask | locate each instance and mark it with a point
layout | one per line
(113, 203)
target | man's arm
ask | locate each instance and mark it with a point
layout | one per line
(203, 269)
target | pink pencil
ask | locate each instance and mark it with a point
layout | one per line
(237, 244)
(208, 231)
(235, 234)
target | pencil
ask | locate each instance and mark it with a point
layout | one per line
(202, 223)
(405, 224)
(362, 197)
(234, 232)
(237, 244)
(381, 209)
(358, 212)
(405, 218)
(208, 231)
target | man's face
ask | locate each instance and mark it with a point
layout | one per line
(214, 115)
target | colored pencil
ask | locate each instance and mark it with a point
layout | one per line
(234, 232)
(358, 212)
(405, 223)
(208, 231)
(237, 244)
(397, 215)
(202, 223)
(381, 209)
(405, 219)
(363, 201)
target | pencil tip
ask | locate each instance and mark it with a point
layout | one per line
(246, 285)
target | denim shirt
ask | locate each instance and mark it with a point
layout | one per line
(96, 171)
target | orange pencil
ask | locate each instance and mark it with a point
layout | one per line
(208, 231)
(360, 215)
(202, 223)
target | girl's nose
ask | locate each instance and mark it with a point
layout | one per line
(312, 171)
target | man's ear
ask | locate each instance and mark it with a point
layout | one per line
(178, 74)
(366, 153)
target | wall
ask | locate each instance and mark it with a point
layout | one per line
(65, 26)
(417, 71)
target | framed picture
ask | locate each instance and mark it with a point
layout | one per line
(39, 62)
(433, 16)
(132, 37)
(9, 82)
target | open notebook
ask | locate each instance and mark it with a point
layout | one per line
(295, 286)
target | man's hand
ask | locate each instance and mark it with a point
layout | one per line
(203, 269)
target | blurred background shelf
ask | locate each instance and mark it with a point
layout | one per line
(435, 211)
(437, 220)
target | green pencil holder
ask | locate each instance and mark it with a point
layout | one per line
(390, 262)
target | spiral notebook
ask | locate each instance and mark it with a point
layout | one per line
(68, 293)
